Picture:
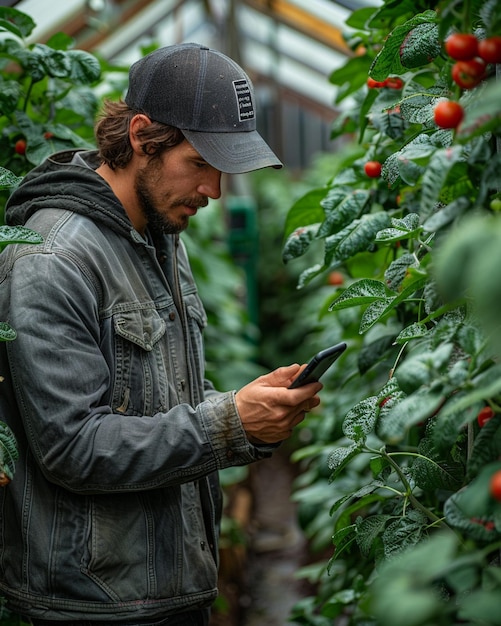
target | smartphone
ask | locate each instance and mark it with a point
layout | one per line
(318, 365)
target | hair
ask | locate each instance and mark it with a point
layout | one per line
(112, 135)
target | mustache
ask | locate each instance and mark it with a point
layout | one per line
(193, 203)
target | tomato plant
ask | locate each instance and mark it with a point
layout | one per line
(448, 114)
(400, 465)
(461, 46)
(490, 49)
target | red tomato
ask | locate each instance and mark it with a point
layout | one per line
(461, 46)
(373, 169)
(468, 74)
(20, 146)
(374, 84)
(448, 114)
(394, 82)
(490, 49)
(495, 485)
(484, 415)
(335, 278)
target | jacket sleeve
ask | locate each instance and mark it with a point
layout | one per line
(62, 383)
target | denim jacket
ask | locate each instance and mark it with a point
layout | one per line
(113, 510)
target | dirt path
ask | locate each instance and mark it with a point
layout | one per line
(277, 550)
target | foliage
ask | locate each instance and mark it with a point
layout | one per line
(406, 471)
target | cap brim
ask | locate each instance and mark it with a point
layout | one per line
(233, 153)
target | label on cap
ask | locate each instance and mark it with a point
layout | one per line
(244, 100)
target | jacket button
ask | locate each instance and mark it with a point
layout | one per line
(230, 454)
(172, 316)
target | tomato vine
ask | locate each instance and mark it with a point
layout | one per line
(410, 463)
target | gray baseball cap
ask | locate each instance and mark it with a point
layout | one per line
(209, 98)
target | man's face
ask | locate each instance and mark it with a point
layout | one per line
(172, 187)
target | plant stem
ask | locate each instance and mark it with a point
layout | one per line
(415, 502)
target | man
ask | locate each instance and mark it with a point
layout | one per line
(112, 515)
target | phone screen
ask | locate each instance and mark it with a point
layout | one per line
(318, 365)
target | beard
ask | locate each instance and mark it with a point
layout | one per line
(159, 222)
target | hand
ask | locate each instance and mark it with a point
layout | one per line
(269, 410)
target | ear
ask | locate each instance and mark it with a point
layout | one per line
(137, 123)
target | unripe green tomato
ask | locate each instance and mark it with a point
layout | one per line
(496, 204)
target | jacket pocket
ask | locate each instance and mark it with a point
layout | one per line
(141, 362)
(122, 544)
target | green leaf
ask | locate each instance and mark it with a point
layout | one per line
(403, 591)
(405, 532)
(435, 175)
(299, 241)
(398, 269)
(342, 206)
(405, 228)
(483, 113)
(363, 291)
(342, 540)
(407, 163)
(418, 105)
(18, 234)
(485, 385)
(431, 472)
(423, 368)
(486, 445)
(361, 419)
(7, 333)
(479, 607)
(473, 511)
(413, 331)
(356, 237)
(10, 94)
(352, 75)
(60, 41)
(306, 211)
(420, 46)
(375, 312)
(445, 215)
(378, 310)
(8, 180)
(388, 61)
(368, 529)
(55, 62)
(374, 351)
(408, 412)
(8, 451)
(16, 22)
(340, 458)
(85, 67)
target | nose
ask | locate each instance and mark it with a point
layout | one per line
(211, 184)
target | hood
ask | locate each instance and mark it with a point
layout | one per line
(61, 182)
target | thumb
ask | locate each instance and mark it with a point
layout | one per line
(282, 376)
